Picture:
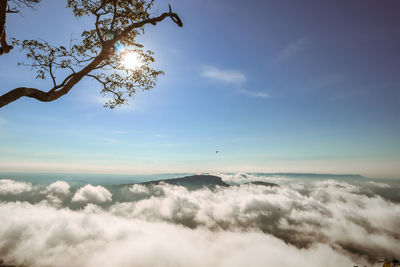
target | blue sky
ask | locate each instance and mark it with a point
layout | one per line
(302, 86)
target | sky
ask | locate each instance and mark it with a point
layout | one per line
(274, 86)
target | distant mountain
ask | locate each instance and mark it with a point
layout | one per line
(263, 183)
(199, 181)
(192, 182)
(313, 175)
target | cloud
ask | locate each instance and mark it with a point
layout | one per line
(231, 77)
(253, 94)
(10, 187)
(292, 49)
(60, 188)
(139, 189)
(92, 237)
(303, 221)
(227, 76)
(57, 194)
(92, 194)
(378, 184)
(335, 213)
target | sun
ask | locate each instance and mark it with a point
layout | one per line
(131, 60)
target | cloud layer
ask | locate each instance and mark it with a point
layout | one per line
(310, 222)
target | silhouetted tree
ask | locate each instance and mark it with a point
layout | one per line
(98, 55)
(14, 8)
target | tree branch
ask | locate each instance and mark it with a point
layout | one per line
(96, 52)
(4, 9)
(51, 95)
(175, 18)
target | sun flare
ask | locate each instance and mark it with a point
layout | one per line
(131, 60)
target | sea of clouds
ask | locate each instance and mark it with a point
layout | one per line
(301, 222)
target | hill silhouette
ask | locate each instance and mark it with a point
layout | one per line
(263, 183)
(192, 182)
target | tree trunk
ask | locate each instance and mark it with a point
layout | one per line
(4, 48)
(3, 11)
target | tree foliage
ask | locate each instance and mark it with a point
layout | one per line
(98, 54)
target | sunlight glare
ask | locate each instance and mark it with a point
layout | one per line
(131, 61)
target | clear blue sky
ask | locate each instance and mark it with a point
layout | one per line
(302, 86)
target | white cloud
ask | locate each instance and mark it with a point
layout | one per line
(10, 187)
(232, 77)
(63, 238)
(58, 188)
(92, 194)
(139, 189)
(56, 194)
(335, 213)
(380, 185)
(227, 76)
(255, 225)
(253, 94)
(292, 49)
